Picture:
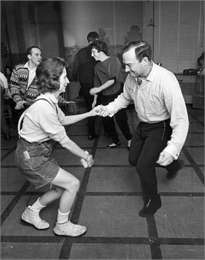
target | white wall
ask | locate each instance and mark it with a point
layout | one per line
(178, 33)
(115, 17)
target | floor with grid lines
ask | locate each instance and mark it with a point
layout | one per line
(108, 203)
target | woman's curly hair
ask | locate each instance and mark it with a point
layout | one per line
(48, 73)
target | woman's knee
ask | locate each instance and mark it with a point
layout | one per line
(73, 186)
(76, 185)
(66, 181)
(58, 190)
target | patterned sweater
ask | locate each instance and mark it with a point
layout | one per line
(20, 91)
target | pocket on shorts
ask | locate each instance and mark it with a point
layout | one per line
(34, 163)
(39, 149)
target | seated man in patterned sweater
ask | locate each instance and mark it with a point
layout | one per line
(23, 86)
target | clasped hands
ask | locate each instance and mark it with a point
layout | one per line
(101, 110)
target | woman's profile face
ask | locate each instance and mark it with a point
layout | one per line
(63, 81)
(95, 54)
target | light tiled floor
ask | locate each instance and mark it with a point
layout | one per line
(108, 203)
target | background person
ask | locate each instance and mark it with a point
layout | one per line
(23, 81)
(161, 133)
(8, 100)
(43, 121)
(5, 94)
(108, 85)
(7, 73)
(83, 70)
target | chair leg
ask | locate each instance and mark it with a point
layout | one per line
(8, 113)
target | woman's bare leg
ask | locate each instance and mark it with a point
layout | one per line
(51, 195)
(71, 185)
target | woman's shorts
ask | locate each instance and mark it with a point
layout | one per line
(34, 162)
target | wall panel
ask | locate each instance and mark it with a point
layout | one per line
(179, 34)
(188, 40)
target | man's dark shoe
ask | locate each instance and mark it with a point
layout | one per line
(172, 174)
(151, 207)
(92, 136)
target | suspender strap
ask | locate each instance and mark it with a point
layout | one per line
(20, 122)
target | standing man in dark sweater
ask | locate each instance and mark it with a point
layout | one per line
(83, 70)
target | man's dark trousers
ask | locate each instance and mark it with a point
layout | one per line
(148, 141)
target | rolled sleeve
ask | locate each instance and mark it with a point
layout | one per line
(122, 101)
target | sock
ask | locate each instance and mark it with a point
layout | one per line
(129, 143)
(62, 217)
(37, 207)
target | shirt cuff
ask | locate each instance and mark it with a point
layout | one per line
(110, 113)
(173, 151)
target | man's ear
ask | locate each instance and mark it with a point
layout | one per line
(145, 60)
(29, 56)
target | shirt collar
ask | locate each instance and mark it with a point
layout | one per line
(26, 66)
(150, 77)
(152, 73)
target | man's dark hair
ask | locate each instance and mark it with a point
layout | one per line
(92, 36)
(142, 49)
(48, 73)
(100, 46)
(29, 50)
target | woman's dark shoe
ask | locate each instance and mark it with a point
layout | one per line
(113, 145)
